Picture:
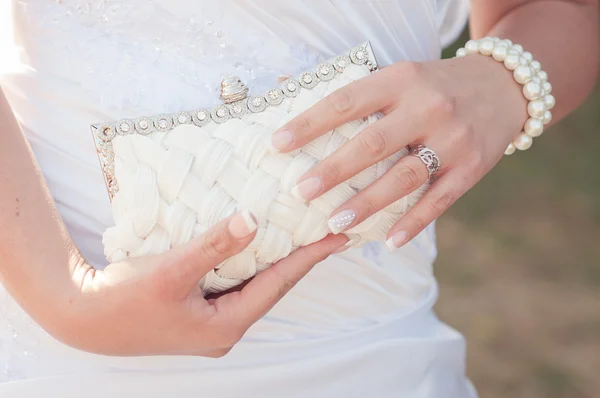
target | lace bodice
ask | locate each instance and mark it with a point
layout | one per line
(135, 52)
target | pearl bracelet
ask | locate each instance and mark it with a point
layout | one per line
(526, 72)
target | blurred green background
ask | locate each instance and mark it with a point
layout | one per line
(519, 266)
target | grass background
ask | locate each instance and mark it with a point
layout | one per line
(519, 266)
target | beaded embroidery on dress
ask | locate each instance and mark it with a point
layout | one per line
(186, 37)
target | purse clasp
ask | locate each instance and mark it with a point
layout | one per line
(233, 90)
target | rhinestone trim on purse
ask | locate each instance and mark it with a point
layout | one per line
(236, 105)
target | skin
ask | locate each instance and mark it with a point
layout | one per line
(155, 299)
(146, 306)
(467, 110)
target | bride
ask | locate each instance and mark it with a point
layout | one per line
(325, 321)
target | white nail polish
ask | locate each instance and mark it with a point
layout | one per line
(341, 221)
(352, 241)
(307, 189)
(281, 140)
(252, 226)
(396, 240)
(241, 225)
(295, 192)
(390, 245)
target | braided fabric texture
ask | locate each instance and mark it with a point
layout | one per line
(174, 185)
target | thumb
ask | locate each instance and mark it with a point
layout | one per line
(185, 265)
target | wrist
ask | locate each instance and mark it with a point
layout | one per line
(526, 72)
(503, 91)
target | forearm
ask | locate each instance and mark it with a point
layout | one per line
(37, 256)
(561, 34)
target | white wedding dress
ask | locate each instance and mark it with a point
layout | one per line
(360, 324)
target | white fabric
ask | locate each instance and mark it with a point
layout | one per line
(370, 332)
(174, 185)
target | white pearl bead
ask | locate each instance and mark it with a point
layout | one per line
(528, 56)
(511, 149)
(518, 48)
(536, 109)
(511, 61)
(523, 142)
(523, 74)
(486, 46)
(515, 52)
(472, 46)
(550, 101)
(547, 117)
(534, 127)
(532, 90)
(529, 73)
(499, 53)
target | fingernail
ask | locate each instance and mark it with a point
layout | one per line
(346, 246)
(307, 189)
(242, 224)
(396, 240)
(341, 221)
(282, 140)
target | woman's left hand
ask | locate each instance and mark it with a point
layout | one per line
(467, 110)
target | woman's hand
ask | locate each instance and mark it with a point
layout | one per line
(467, 110)
(153, 305)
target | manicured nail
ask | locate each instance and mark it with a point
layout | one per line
(346, 246)
(396, 240)
(242, 224)
(307, 189)
(281, 140)
(341, 221)
(341, 249)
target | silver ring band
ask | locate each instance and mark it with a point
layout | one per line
(428, 157)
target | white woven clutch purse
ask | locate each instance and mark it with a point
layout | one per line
(170, 177)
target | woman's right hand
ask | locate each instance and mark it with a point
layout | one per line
(153, 305)
(144, 306)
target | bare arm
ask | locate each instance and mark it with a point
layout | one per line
(156, 299)
(37, 256)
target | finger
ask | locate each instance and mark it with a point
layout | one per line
(403, 178)
(218, 353)
(267, 288)
(187, 264)
(378, 141)
(442, 194)
(351, 102)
